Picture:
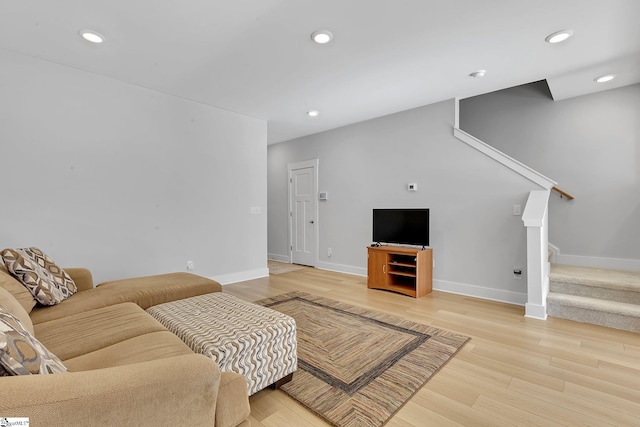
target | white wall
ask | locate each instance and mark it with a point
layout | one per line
(125, 180)
(590, 145)
(477, 241)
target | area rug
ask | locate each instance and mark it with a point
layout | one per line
(277, 267)
(358, 367)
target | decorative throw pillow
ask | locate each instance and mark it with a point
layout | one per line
(21, 353)
(48, 283)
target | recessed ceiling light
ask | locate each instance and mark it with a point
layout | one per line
(605, 78)
(313, 113)
(91, 36)
(322, 36)
(558, 36)
(478, 74)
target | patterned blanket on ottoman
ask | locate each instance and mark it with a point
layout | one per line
(241, 337)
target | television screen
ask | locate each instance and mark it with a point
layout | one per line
(402, 226)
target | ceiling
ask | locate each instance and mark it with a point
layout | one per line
(255, 57)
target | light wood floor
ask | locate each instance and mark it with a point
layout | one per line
(514, 371)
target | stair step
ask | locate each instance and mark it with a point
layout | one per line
(612, 285)
(612, 314)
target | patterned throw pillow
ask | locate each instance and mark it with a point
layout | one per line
(48, 283)
(21, 353)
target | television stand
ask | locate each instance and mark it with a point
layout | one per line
(400, 269)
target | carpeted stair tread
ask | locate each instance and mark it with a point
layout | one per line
(616, 307)
(624, 280)
(595, 295)
(611, 314)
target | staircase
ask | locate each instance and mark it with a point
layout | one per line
(598, 296)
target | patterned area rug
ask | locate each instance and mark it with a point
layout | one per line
(357, 367)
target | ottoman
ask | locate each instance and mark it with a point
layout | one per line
(254, 341)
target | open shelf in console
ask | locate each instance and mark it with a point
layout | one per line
(400, 269)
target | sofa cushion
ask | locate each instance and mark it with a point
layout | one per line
(176, 391)
(148, 291)
(144, 291)
(11, 304)
(17, 289)
(143, 348)
(92, 330)
(21, 353)
(48, 283)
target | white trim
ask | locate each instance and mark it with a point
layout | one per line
(555, 251)
(536, 220)
(315, 163)
(536, 209)
(278, 257)
(598, 262)
(539, 311)
(502, 158)
(474, 291)
(499, 295)
(535, 311)
(241, 276)
(497, 155)
(341, 268)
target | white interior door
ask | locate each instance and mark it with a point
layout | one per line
(302, 213)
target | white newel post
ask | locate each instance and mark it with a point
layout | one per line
(536, 219)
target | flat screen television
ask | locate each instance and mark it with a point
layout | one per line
(401, 226)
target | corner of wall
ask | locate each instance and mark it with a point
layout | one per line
(241, 276)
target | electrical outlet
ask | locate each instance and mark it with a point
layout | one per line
(329, 253)
(189, 265)
(517, 273)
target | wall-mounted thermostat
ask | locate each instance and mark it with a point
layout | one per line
(412, 187)
(322, 195)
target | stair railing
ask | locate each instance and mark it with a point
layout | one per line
(562, 193)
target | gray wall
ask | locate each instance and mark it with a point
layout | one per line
(476, 240)
(125, 180)
(589, 144)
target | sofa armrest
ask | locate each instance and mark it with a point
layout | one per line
(233, 404)
(82, 278)
(179, 390)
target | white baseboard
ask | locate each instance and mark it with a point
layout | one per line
(443, 285)
(278, 257)
(341, 268)
(241, 276)
(599, 262)
(535, 311)
(440, 285)
(499, 295)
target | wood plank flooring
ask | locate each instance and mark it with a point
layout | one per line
(514, 372)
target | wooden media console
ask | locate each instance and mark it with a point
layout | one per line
(400, 269)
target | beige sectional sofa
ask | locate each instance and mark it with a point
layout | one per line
(124, 367)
